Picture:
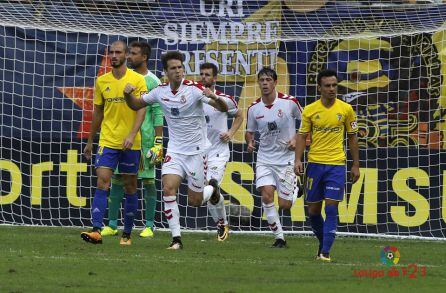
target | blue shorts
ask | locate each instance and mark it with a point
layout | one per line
(324, 182)
(126, 161)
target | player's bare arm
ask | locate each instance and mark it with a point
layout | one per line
(215, 101)
(251, 144)
(139, 119)
(238, 120)
(131, 100)
(98, 116)
(300, 139)
(354, 151)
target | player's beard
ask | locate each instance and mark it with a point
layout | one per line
(117, 64)
(133, 65)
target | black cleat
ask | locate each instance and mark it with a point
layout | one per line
(176, 244)
(215, 197)
(279, 243)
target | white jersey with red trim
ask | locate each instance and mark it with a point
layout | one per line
(217, 122)
(276, 124)
(183, 110)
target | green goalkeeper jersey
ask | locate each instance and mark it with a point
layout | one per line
(154, 117)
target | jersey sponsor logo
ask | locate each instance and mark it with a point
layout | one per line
(260, 117)
(167, 159)
(272, 126)
(165, 99)
(332, 188)
(354, 124)
(175, 112)
(115, 100)
(326, 129)
(280, 113)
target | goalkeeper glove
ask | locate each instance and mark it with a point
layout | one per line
(155, 154)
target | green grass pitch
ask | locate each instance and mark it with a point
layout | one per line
(40, 259)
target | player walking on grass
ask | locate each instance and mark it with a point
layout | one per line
(182, 104)
(152, 148)
(326, 119)
(119, 143)
(219, 136)
(274, 116)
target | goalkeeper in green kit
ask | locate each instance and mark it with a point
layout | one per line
(152, 148)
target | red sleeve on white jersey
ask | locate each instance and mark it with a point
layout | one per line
(296, 102)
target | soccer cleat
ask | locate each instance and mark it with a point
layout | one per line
(215, 197)
(325, 257)
(93, 237)
(147, 232)
(176, 244)
(125, 239)
(109, 231)
(279, 243)
(222, 232)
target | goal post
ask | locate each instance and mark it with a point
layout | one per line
(391, 61)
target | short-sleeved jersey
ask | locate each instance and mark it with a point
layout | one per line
(327, 126)
(118, 117)
(217, 122)
(276, 124)
(183, 110)
(154, 114)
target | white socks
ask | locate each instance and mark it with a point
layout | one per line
(172, 214)
(272, 216)
(207, 193)
(218, 211)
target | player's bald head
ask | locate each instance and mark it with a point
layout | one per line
(121, 44)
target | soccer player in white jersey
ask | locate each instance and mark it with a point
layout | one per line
(182, 104)
(219, 136)
(274, 116)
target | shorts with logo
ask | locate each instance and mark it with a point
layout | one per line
(324, 182)
(280, 176)
(127, 161)
(215, 169)
(190, 166)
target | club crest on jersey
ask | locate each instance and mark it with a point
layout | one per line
(175, 112)
(107, 89)
(339, 116)
(272, 126)
(183, 99)
(280, 113)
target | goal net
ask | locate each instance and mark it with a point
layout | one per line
(391, 61)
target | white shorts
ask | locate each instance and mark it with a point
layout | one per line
(190, 166)
(282, 177)
(216, 169)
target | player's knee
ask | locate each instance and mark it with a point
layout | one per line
(195, 200)
(103, 183)
(285, 204)
(169, 189)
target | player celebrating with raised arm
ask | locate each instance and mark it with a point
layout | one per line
(219, 136)
(274, 116)
(326, 119)
(182, 104)
(152, 148)
(119, 142)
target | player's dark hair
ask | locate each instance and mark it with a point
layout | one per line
(326, 73)
(171, 55)
(209, 65)
(268, 72)
(143, 46)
